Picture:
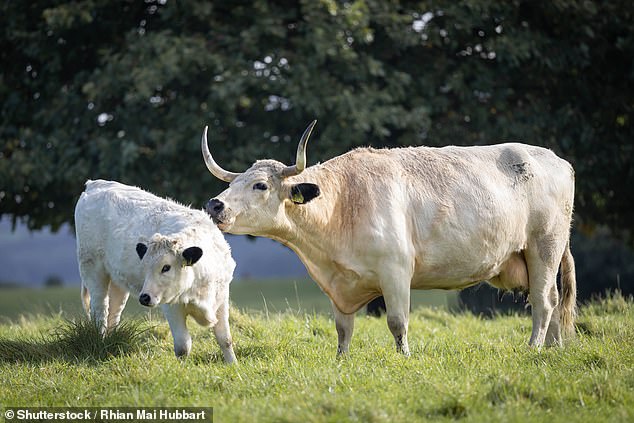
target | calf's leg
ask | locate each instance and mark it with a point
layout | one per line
(117, 299)
(223, 334)
(96, 282)
(176, 317)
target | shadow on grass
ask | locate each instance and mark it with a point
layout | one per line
(451, 408)
(74, 341)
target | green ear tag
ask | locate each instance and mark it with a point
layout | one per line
(297, 197)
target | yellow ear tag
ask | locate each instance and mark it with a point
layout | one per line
(297, 197)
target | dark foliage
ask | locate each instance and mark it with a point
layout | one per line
(122, 90)
(96, 89)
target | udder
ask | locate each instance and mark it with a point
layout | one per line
(514, 274)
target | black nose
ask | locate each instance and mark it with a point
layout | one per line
(214, 207)
(145, 299)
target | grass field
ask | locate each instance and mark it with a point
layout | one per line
(272, 296)
(462, 368)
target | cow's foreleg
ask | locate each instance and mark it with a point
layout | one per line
(117, 298)
(176, 317)
(223, 334)
(397, 304)
(345, 326)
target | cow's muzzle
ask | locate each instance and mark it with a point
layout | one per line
(214, 208)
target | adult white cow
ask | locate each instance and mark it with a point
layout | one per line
(129, 240)
(381, 222)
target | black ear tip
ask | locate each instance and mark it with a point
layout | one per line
(192, 255)
(304, 192)
(141, 249)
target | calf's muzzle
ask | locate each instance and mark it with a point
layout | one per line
(145, 299)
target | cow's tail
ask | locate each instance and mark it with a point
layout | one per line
(568, 306)
(85, 298)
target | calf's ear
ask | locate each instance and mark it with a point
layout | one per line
(141, 249)
(304, 192)
(192, 255)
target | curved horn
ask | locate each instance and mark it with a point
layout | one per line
(300, 160)
(213, 167)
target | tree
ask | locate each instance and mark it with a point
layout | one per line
(94, 89)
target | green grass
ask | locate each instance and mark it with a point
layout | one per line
(462, 368)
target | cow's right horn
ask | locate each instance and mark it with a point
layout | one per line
(213, 167)
(300, 160)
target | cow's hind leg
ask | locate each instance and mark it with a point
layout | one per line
(553, 335)
(117, 299)
(345, 326)
(542, 271)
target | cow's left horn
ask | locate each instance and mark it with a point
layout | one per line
(213, 167)
(300, 160)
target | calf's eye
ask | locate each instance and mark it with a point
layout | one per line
(166, 268)
(261, 186)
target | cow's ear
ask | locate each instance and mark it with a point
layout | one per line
(304, 192)
(141, 249)
(192, 255)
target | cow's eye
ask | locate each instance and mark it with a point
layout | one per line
(261, 186)
(166, 268)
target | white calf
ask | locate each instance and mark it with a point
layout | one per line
(129, 240)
